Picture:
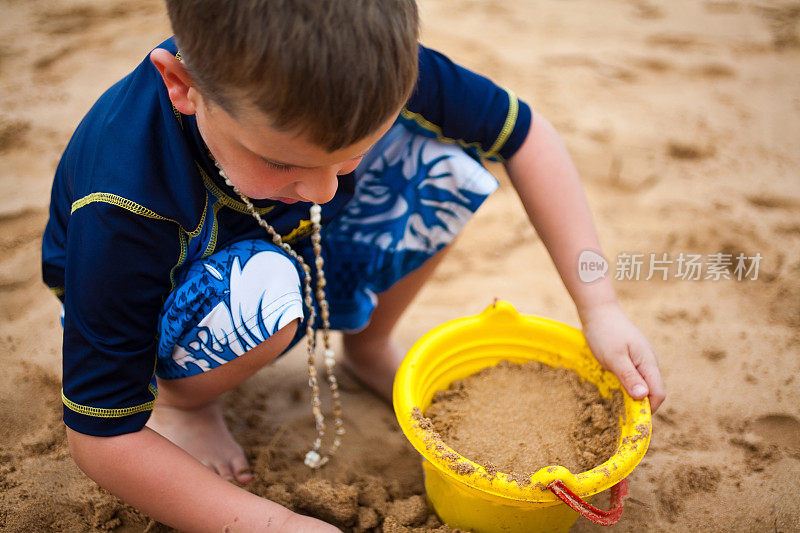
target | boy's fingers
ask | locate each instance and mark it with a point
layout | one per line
(648, 368)
(622, 367)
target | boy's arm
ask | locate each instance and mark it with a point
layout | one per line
(160, 479)
(548, 185)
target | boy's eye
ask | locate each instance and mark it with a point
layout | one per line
(276, 166)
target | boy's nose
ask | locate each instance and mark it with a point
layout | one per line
(319, 188)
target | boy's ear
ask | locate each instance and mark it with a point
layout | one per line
(176, 78)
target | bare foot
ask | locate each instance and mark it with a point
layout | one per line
(202, 432)
(374, 364)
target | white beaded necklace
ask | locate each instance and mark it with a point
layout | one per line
(314, 458)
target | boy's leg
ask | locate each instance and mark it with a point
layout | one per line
(370, 354)
(413, 196)
(231, 314)
(188, 411)
(201, 389)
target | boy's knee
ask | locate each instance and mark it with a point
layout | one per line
(241, 303)
(269, 350)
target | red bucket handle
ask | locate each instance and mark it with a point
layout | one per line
(598, 516)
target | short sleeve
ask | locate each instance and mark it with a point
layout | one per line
(115, 282)
(458, 105)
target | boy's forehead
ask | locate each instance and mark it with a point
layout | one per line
(254, 131)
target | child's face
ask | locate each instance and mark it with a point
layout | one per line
(266, 163)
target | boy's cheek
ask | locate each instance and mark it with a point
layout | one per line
(350, 166)
(256, 185)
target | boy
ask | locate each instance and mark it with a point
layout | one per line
(170, 286)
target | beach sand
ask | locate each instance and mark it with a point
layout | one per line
(684, 121)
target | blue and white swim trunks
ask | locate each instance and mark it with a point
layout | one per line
(413, 195)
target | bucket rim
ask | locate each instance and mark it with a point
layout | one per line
(635, 424)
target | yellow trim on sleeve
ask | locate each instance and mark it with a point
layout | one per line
(430, 126)
(133, 207)
(103, 412)
(508, 126)
(119, 201)
(58, 291)
(502, 137)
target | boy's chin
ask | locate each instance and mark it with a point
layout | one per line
(285, 200)
(281, 199)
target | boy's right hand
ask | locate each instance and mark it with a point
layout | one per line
(621, 348)
(147, 471)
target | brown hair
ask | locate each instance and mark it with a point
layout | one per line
(334, 70)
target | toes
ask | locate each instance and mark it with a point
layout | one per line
(241, 470)
(224, 471)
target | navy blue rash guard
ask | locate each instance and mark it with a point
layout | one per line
(136, 198)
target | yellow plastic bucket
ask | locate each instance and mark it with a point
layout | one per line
(476, 501)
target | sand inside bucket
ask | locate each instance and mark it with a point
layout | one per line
(518, 419)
